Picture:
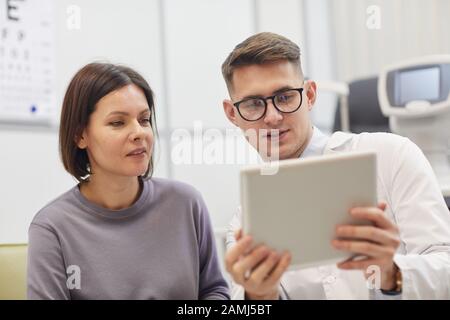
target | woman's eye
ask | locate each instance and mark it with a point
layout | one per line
(146, 121)
(116, 123)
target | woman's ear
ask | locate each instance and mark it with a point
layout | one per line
(230, 111)
(81, 141)
(311, 93)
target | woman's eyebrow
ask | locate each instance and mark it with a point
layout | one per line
(124, 113)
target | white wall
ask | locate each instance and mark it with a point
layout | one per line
(31, 175)
(321, 65)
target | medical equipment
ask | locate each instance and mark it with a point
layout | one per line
(414, 94)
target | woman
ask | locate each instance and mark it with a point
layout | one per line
(119, 234)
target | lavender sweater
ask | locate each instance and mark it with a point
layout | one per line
(162, 247)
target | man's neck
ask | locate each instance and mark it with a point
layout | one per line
(305, 145)
(113, 194)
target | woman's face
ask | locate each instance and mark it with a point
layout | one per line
(119, 137)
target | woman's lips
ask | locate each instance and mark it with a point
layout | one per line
(136, 152)
(138, 155)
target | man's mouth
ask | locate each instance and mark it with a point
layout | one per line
(276, 133)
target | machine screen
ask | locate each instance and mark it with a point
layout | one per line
(420, 84)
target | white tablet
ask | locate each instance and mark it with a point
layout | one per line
(298, 208)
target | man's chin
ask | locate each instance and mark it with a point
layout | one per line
(271, 155)
(279, 154)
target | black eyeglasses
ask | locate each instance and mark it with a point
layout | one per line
(253, 109)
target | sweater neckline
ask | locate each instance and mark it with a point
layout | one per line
(132, 210)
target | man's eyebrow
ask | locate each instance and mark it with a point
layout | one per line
(283, 89)
(124, 113)
(254, 96)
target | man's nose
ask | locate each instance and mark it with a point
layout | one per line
(272, 116)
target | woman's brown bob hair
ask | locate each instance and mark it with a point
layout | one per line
(88, 86)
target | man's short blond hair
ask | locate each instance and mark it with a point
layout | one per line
(261, 48)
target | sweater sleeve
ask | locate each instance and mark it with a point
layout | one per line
(212, 284)
(46, 276)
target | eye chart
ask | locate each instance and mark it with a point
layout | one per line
(27, 69)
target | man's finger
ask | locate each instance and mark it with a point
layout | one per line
(382, 205)
(372, 214)
(281, 267)
(239, 248)
(238, 234)
(263, 270)
(371, 233)
(247, 264)
(363, 247)
(358, 264)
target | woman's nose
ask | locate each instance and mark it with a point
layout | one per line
(137, 131)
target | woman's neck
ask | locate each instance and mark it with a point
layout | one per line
(111, 194)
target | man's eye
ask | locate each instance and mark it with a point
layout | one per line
(255, 103)
(284, 97)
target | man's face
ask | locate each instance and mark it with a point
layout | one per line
(294, 129)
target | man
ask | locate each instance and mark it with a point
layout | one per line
(410, 237)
